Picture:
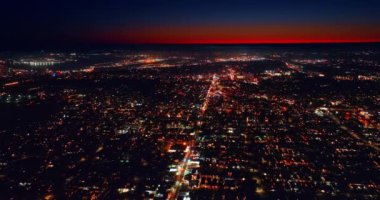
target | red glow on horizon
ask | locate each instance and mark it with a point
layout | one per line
(251, 42)
(230, 34)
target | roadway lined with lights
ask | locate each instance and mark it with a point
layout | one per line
(351, 132)
(182, 167)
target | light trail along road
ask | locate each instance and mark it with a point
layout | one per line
(182, 167)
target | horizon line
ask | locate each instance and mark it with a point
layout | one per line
(247, 43)
(33, 48)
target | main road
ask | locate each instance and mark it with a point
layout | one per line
(182, 167)
(351, 132)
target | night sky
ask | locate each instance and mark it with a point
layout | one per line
(41, 23)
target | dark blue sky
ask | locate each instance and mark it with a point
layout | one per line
(42, 23)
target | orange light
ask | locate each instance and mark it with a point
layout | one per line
(11, 84)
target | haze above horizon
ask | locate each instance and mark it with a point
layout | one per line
(71, 23)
